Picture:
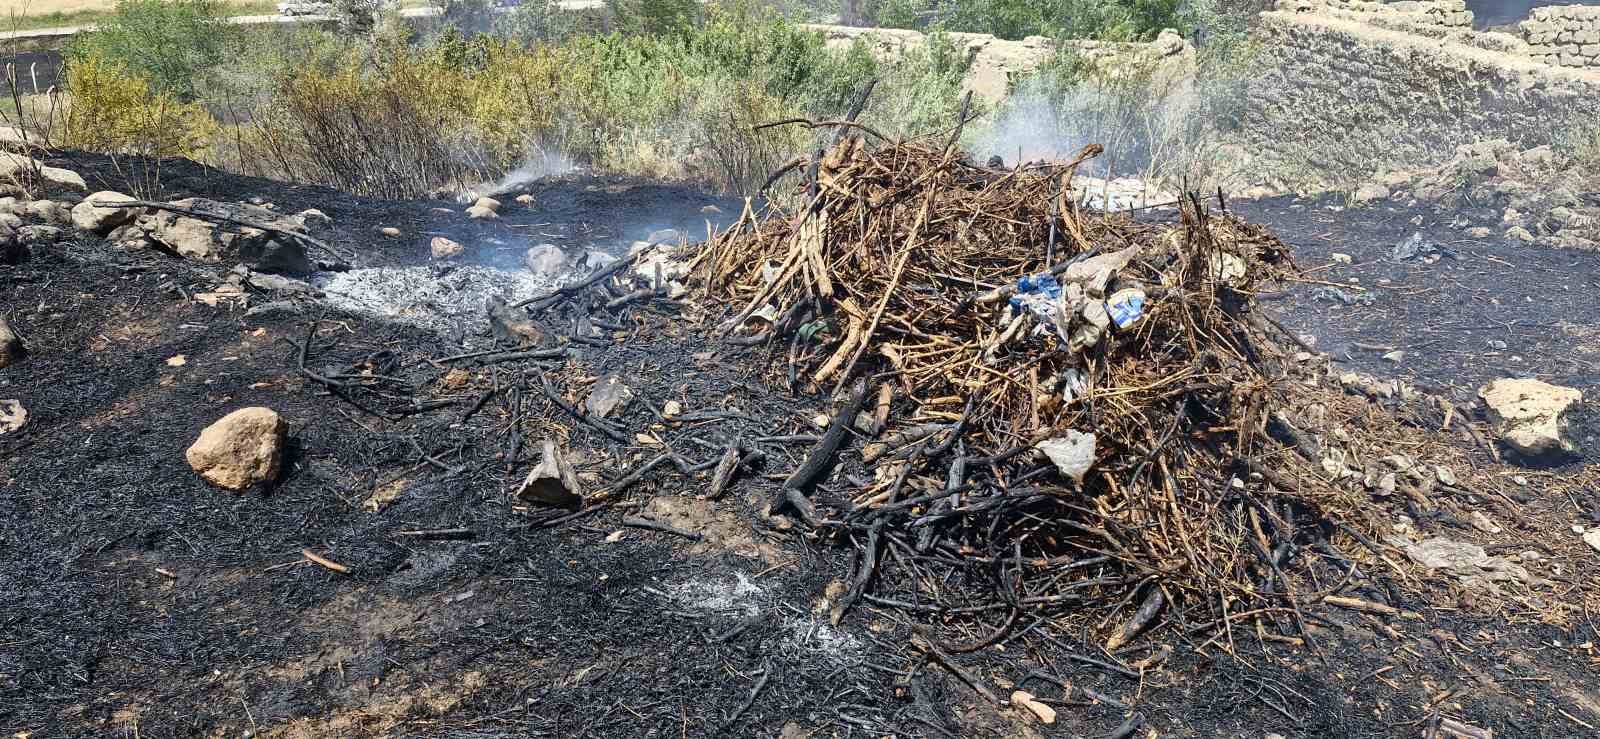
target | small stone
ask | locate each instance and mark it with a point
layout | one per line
(1479, 232)
(546, 260)
(1370, 192)
(1482, 523)
(1498, 345)
(390, 231)
(480, 213)
(1446, 475)
(95, 219)
(177, 360)
(1593, 539)
(1341, 258)
(525, 199)
(1044, 713)
(1520, 480)
(313, 220)
(241, 449)
(672, 409)
(1397, 356)
(1527, 414)
(443, 248)
(1387, 483)
(488, 204)
(609, 394)
(1518, 233)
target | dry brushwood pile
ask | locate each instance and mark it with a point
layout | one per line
(1053, 410)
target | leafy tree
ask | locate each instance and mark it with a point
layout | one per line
(170, 43)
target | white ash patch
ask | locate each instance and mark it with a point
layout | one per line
(739, 596)
(444, 298)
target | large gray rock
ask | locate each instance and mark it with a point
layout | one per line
(206, 241)
(20, 168)
(241, 449)
(1527, 414)
(51, 212)
(546, 260)
(101, 221)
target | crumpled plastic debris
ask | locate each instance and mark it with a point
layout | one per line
(1340, 295)
(1416, 246)
(1073, 454)
(1038, 294)
(1126, 306)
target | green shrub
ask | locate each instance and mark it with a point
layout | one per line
(169, 43)
(654, 17)
(118, 111)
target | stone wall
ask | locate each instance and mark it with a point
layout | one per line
(1340, 99)
(998, 63)
(1567, 36)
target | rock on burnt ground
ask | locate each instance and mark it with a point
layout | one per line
(241, 449)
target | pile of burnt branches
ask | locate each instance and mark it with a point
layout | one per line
(1067, 408)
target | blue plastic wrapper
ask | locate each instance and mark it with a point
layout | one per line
(1042, 285)
(1125, 308)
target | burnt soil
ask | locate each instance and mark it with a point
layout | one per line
(135, 600)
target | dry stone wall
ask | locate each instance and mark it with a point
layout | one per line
(1338, 98)
(997, 63)
(1567, 36)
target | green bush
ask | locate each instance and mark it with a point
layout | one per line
(1113, 20)
(654, 17)
(169, 43)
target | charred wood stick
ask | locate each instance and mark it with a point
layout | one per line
(325, 562)
(643, 293)
(598, 276)
(555, 397)
(864, 572)
(219, 218)
(1365, 606)
(1129, 726)
(725, 469)
(831, 440)
(495, 355)
(628, 480)
(955, 432)
(938, 656)
(808, 123)
(636, 522)
(791, 439)
(961, 123)
(789, 166)
(438, 534)
(761, 684)
(502, 357)
(858, 105)
(1142, 618)
(478, 405)
(900, 440)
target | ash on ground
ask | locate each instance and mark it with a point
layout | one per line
(448, 299)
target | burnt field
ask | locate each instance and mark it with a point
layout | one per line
(137, 600)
